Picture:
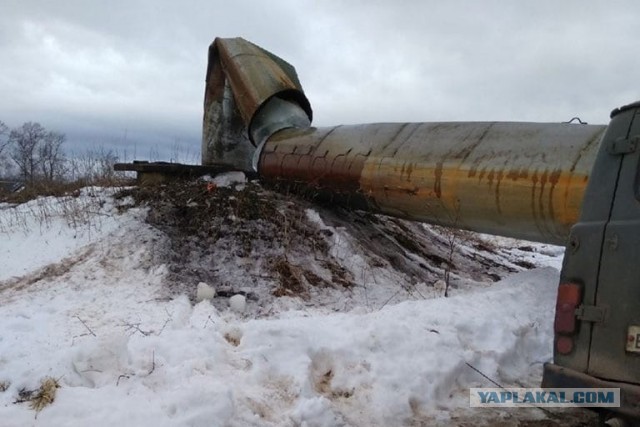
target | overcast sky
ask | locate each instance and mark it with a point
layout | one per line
(131, 73)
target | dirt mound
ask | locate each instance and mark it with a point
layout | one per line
(279, 248)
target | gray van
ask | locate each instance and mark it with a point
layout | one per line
(597, 319)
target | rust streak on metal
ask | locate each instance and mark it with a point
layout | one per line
(255, 76)
(437, 182)
(433, 174)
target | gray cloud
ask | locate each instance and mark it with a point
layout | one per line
(488, 60)
(132, 73)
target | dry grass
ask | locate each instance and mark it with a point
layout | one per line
(41, 397)
(290, 277)
(37, 189)
(76, 211)
(45, 395)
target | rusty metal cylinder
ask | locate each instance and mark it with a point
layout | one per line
(522, 180)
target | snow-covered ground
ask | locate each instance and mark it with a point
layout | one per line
(83, 300)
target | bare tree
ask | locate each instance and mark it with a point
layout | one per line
(4, 143)
(452, 236)
(106, 159)
(51, 157)
(93, 165)
(37, 153)
(24, 142)
(4, 140)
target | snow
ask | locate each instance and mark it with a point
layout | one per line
(227, 179)
(238, 303)
(83, 302)
(204, 292)
(62, 225)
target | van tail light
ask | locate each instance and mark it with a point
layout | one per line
(569, 298)
(564, 344)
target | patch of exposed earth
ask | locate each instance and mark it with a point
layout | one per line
(285, 251)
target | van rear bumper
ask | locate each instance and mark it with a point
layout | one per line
(558, 377)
